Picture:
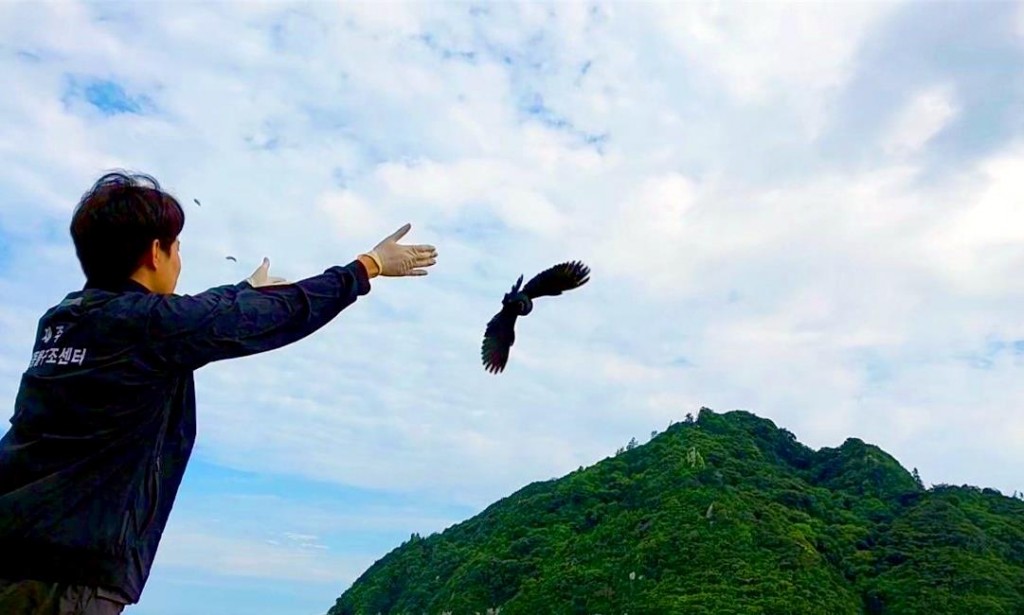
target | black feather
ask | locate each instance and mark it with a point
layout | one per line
(555, 280)
(498, 340)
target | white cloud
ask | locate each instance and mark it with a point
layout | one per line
(980, 245)
(1019, 22)
(351, 214)
(802, 54)
(627, 372)
(922, 118)
(446, 187)
(197, 549)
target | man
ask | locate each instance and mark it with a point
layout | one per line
(104, 420)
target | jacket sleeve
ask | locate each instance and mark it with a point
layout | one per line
(225, 322)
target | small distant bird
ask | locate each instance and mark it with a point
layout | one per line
(197, 202)
(231, 258)
(500, 333)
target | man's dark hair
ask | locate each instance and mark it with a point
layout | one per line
(116, 221)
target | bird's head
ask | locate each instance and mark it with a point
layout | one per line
(524, 303)
(517, 297)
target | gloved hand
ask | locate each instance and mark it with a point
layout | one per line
(395, 260)
(260, 277)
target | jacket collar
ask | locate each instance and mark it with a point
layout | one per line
(125, 286)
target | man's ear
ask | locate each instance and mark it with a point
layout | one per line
(152, 256)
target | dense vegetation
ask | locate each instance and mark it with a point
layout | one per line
(723, 514)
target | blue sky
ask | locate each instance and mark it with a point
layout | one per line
(809, 211)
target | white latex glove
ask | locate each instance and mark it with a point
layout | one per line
(260, 277)
(394, 259)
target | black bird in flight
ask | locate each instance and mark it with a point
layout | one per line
(231, 258)
(197, 202)
(500, 333)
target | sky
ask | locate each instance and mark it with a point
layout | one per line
(810, 211)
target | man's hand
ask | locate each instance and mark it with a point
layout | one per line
(395, 260)
(260, 277)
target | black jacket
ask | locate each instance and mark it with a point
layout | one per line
(104, 420)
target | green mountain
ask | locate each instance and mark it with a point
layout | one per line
(723, 514)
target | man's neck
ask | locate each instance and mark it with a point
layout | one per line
(143, 280)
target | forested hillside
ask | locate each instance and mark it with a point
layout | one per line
(723, 514)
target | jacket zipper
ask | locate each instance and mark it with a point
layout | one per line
(124, 528)
(154, 499)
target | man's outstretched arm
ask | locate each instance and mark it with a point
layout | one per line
(238, 320)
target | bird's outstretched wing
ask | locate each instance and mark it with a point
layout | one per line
(498, 339)
(555, 280)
